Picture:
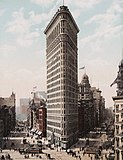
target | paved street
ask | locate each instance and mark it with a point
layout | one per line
(56, 153)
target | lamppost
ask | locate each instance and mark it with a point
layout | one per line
(53, 138)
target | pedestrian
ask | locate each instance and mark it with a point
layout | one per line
(83, 153)
(2, 157)
(9, 156)
(105, 156)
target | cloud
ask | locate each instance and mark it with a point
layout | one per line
(19, 24)
(76, 13)
(42, 2)
(2, 11)
(83, 4)
(23, 28)
(86, 4)
(28, 39)
(7, 49)
(109, 25)
(37, 18)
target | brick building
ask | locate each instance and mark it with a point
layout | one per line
(42, 120)
(37, 113)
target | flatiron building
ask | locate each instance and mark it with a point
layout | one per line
(62, 78)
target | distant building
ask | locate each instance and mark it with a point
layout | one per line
(118, 113)
(62, 78)
(24, 105)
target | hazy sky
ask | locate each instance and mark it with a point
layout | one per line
(22, 43)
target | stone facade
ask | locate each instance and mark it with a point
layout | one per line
(118, 112)
(118, 134)
(8, 114)
(85, 103)
(91, 106)
(99, 106)
(62, 78)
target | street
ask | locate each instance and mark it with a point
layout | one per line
(56, 153)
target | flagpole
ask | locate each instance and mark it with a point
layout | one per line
(83, 68)
(63, 2)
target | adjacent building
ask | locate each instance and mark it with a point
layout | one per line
(118, 112)
(85, 106)
(91, 106)
(99, 106)
(62, 78)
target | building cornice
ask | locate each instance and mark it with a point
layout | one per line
(63, 9)
(117, 97)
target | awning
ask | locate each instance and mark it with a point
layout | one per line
(33, 130)
(39, 133)
(36, 132)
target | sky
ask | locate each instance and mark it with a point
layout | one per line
(22, 43)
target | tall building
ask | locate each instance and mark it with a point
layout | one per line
(99, 103)
(85, 106)
(91, 106)
(118, 112)
(62, 78)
